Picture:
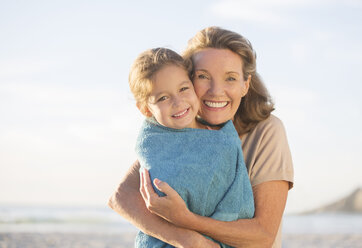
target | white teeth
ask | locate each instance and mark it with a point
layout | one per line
(215, 104)
(180, 113)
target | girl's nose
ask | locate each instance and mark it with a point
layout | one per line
(177, 101)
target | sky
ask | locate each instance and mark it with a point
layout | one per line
(68, 122)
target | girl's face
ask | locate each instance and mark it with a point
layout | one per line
(219, 84)
(173, 101)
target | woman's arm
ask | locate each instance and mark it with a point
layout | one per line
(260, 231)
(270, 199)
(128, 202)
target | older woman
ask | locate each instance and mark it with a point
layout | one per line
(224, 65)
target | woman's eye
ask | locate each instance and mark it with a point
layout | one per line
(230, 79)
(184, 88)
(162, 98)
(201, 76)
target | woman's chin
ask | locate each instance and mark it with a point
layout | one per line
(216, 116)
(215, 120)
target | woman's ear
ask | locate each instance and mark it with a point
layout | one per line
(246, 85)
(144, 109)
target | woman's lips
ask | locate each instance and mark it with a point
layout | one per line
(213, 105)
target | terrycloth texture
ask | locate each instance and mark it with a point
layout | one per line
(206, 168)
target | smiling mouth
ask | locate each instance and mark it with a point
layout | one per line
(181, 114)
(211, 104)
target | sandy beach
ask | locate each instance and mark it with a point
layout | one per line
(125, 240)
(322, 240)
(66, 240)
(78, 227)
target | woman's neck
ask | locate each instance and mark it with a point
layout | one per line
(200, 124)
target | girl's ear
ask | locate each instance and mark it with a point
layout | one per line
(144, 109)
(246, 85)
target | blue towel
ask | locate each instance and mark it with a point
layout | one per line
(205, 167)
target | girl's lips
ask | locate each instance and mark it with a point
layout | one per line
(181, 114)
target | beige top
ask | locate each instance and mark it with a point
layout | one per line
(267, 156)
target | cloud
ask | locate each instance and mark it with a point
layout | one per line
(57, 94)
(245, 11)
(24, 66)
(255, 11)
(293, 104)
(268, 12)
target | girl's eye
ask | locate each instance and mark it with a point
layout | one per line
(162, 98)
(184, 88)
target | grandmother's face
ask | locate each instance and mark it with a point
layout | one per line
(219, 84)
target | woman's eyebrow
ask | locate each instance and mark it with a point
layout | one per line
(233, 72)
(204, 70)
(228, 72)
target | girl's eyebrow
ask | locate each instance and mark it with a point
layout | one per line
(157, 95)
(185, 82)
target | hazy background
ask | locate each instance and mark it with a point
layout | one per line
(68, 122)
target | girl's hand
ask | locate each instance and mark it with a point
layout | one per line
(170, 207)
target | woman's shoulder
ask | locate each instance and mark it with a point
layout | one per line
(267, 153)
(271, 121)
(271, 125)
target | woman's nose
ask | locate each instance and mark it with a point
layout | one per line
(216, 88)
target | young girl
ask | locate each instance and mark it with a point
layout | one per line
(206, 167)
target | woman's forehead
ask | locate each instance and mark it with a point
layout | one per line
(217, 58)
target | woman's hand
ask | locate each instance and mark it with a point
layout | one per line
(170, 207)
(128, 202)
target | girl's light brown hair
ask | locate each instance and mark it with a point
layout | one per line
(257, 104)
(146, 65)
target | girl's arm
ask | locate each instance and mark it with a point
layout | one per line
(260, 231)
(128, 202)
